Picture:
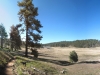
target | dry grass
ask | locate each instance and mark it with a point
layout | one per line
(59, 57)
(55, 55)
(63, 53)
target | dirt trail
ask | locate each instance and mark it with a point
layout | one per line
(9, 68)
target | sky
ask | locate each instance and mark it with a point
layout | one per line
(62, 20)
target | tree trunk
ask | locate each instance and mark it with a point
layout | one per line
(26, 52)
(12, 46)
(1, 42)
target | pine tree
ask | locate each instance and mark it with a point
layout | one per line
(73, 56)
(15, 37)
(27, 15)
(3, 34)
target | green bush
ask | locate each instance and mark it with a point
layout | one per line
(35, 53)
(73, 56)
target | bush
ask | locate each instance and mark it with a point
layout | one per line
(35, 53)
(73, 57)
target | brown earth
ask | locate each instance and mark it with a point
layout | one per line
(88, 64)
(9, 68)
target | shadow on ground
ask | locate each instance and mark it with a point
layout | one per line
(89, 62)
(64, 63)
(46, 55)
(2, 70)
(57, 62)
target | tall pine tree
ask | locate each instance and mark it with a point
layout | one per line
(3, 34)
(27, 15)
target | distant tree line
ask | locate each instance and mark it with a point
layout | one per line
(77, 43)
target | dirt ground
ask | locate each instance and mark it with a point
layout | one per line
(9, 68)
(88, 59)
(59, 53)
(59, 57)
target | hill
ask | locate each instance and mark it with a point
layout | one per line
(77, 43)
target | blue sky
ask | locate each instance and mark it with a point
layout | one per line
(61, 19)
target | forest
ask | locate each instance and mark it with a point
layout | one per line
(77, 43)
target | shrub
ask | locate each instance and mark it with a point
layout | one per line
(73, 56)
(35, 53)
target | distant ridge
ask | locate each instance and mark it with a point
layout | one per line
(87, 43)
